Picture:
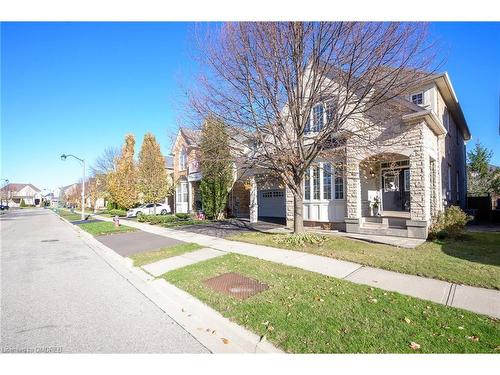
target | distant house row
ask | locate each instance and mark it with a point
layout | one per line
(14, 193)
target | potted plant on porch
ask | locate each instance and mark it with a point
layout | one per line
(375, 206)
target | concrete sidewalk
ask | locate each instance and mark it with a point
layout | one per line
(169, 264)
(479, 300)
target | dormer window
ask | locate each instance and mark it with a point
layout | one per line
(182, 160)
(417, 98)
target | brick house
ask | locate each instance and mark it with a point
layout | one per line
(187, 175)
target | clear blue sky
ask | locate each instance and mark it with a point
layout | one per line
(80, 87)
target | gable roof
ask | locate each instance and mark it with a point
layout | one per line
(191, 136)
(15, 187)
(443, 83)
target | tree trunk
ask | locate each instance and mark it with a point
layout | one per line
(154, 209)
(298, 218)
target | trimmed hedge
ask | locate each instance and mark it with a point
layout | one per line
(156, 219)
(117, 211)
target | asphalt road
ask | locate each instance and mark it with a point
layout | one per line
(57, 295)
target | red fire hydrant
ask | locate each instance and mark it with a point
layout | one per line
(116, 220)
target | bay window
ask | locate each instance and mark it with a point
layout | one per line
(322, 183)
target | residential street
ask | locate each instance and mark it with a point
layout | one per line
(58, 295)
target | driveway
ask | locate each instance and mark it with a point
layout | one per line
(127, 244)
(230, 228)
(59, 295)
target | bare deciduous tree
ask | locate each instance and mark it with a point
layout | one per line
(106, 162)
(265, 80)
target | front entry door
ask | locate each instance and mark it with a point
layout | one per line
(396, 190)
(181, 200)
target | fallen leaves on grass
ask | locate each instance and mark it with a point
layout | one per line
(473, 338)
(414, 345)
(407, 320)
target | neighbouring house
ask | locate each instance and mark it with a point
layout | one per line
(15, 193)
(417, 169)
(70, 195)
(187, 175)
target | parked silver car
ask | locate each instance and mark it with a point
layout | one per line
(148, 209)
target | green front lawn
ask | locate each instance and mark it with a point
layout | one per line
(181, 223)
(153, 256)
(104, 227)
(68, 215)
(474, 260)
(304, 312)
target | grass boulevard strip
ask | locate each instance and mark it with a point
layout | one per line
(303, 312)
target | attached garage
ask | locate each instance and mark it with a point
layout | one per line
(271, 203)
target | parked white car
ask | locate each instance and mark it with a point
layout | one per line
(148, 209)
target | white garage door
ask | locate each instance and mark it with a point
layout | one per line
(272, 203)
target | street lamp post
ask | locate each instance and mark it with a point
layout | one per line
(6, 183)
(63, 158)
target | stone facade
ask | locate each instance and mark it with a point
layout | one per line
(428, 141)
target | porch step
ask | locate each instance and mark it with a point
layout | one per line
(377, 230)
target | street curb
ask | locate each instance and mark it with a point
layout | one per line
(217, 333)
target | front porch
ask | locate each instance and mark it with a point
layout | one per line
(390, 194)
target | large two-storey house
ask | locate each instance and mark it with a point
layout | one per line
(394, 189)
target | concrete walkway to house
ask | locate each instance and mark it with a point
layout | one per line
(479, 300)
(163, 266)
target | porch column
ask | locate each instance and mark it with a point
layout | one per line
(190, 197)
(420, 199)
(353, 195)
(254, 207)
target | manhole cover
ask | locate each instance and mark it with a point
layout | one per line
(235, 285)
(49, 240)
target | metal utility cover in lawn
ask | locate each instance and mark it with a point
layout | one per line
(235, 285)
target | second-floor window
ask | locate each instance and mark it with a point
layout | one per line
(446, 119)
(317, 118)
(417, 98)
(182, 160)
